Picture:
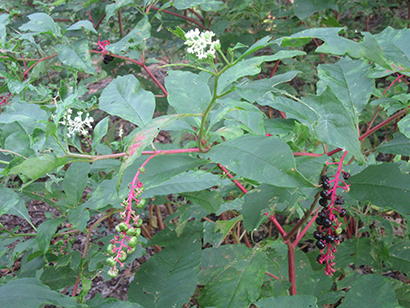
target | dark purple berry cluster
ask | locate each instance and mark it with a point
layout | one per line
(107, 59)
(328, 230)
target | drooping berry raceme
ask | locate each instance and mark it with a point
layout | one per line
(129, 229)
(200, 43)
(328, 231)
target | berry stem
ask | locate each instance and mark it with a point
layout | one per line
(229, 175)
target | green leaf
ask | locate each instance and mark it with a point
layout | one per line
(58, 278)
(400, 257)
(187, 92)
(225, 226)
(348, 80)
(383, 185)
(305, 8)
(263, 198)
(111, 9)
(28, 115)
(394, 45)
(368, 48)
(169, 278)
(186, 4)
(77, 56)
(100, 131)
(371, 291)
(126, 98)
(134, 40)
(356, 251)
(46, 231)
(4, 21)
(209, 200)
(41, 23)
(31, 293)
(334, 124)
(36, 167)
(402, 292)
(234, 271)
(400, 145)
(86, 24)
(265, 159)
(79, 217)
(295, 301)
(251, 67)
(109, 302)
(75, 180)
(185, 182)
(8, 199)
(105, 194)
(404, 126)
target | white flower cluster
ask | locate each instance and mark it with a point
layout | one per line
(201, 44)
(76, 125)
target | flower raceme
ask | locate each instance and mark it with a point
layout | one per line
(200, 43)
(78, 124)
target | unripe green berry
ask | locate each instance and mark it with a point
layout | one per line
(133, 241)
(123, 226)
(117, 228)
(123, 256)
(141, 203)
(139, 222)
(112, 273)
(138, 232)
(71, 240)
(131, 231)
(60, 243)
(110, 249)
(110, 261)
(66, 236)
(339, 231)
(142, 169)
(131, 250)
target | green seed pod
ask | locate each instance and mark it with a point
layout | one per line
(131, 231)
(112, 273)
(133, 241)
(110, 249)
(123, 226)
(139, 222)
(117, 228)
(141, 203)
(123, 256)
(110, 261)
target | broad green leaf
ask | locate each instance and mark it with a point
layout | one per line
(347, 78)
(213, 5)
(253, 90)
(140, 139)
(334, 124)
(169, 278)
(251, 67)
(209, 200)
(400, 145)
(367, 48)
(400, 257)
(28, 115)
(31, 293)
(394, 45)
(383, 185)
(210, 236)
(134, 40)
(58, 278)
(186, 4)
(46, 231)
(111, 9)
(4, 21)
(185, 182)
(225, 226)
(402, 292)
(8, 199)
(79, 216)
(41, 23)
(14, 138)
(105, 194)
(100, 131)
(265, 159)
(305, 8)
(109, 302)
(77, 56)
(234, 271)
(86, 24)
(262, 199)
(36, 167)
(75, 180)
(356, 251)
(126, 98)
(404, 126)
(295, 301)
(20, 209)
(371, 291)
(187, 92)
(262, 43)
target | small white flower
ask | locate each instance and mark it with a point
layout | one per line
(76, 125)
(121, 132)
(201, 44)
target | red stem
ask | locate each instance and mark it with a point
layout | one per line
(291, 267)
(272, 218)
(181, 16)
(273, 276)
(229, 175)
(91, 19)
(46, 58)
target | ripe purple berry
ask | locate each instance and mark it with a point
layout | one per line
(320, 245)
(327, 223)
(342, 213)
(317, 235)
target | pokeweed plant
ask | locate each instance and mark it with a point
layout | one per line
(244, 192)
